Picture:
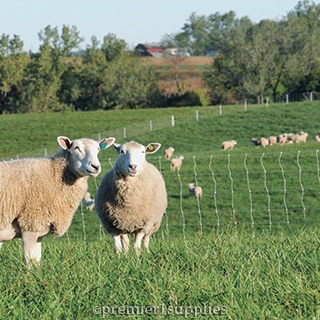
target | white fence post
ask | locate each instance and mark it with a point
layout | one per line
(197, 115)
(172, 120)
(311, 96)
(150, 125)
(267, 102)
(124, 133)
(245, 105)
(287, 98)
(220, 109)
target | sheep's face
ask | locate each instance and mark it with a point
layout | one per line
(132, 157)
(83, 154)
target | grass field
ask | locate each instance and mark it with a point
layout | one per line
(249, 249)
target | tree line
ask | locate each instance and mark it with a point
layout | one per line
(250, 61)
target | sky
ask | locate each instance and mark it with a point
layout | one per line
(135, 21)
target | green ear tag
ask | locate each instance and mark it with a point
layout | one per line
(150, 147)
(103, 146)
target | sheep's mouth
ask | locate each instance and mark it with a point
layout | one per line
(92, 173)
(132, 172)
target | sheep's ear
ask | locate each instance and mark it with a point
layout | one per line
(64, 142)
(152, 148)
(106, 143)
(117, 146)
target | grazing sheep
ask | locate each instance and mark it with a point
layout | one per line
(317, 137)
(282, 138)
(228, 145)
(39, 196)
(272, 140)
(132, 197)
(264, 142)
(193, 190)
(301, 137)
(168, 153)
(88, 202)
(291, 137)
(256, 142)
(176, 163)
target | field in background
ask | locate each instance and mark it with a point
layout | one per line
(179, 72)
(250, 270)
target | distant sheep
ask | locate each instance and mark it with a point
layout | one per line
(264, 142)
(168, 153)
(282, 138)
(88, 202)
(317, 137)
(228, 145)
(39, 196)
(272, 140)
(256, 142)
(132, 197)
(195, 190)
(301, 137)
(176, 163)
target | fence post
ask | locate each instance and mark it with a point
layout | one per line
(311, 96)
(150, 125)
(267, 102)
(197, 115)
(287, 98)
(99, 136)
(45, 152)
(245, 105)
(172, 120)
(220, 109)
(124, 133)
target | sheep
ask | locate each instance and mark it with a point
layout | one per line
(317, 137)
(264, 142)
(176, 163)
(168, 153)
(195, 190)
(272, 140)
(282, 138)
(256, 142)
(39, 196)
(301, 137)
(228, 145)
(88, 202)
(291, 137)
(131, 197)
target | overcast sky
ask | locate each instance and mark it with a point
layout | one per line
(135, 21)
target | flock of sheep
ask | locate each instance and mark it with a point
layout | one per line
(284, 138)
(39, 196)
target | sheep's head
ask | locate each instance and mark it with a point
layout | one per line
(132, 157)
(83, 154)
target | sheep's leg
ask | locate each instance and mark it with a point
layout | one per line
(117, 242)
(146, 240)
(137, 241)
(32, 248)
(125, 242)
(10, 232)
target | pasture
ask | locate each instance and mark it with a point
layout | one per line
(249, 249)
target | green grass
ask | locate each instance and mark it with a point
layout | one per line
(250, 246)
(262, 276)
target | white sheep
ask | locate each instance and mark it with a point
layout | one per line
(264, 142)
(272, 140)
(317, 137)
(39, 196)
(168, 153)
(228, 145)
(195, 190)
(301, 137)
(282, 138)
(132, 197)
(176, 163)
(88, 202)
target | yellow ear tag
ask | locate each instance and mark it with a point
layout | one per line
(150, 147)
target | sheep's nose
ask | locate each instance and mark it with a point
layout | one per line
(132, 166)
(95, 166)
